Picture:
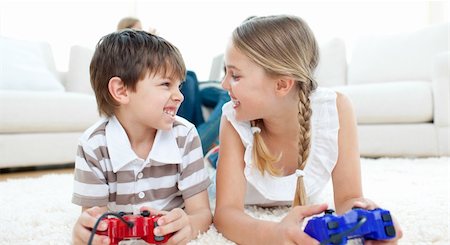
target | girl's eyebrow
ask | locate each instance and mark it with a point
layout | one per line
(232, 67)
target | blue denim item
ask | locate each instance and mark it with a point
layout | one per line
(209, 130)
(213, 157)
(191, 108)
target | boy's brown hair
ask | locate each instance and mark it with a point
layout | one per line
(131, 55)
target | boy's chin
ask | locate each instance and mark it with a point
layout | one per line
(166, 127)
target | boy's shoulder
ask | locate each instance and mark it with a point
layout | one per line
(182, 124)
(97, 129)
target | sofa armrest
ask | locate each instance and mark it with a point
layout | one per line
(77, 78)
(441, 89)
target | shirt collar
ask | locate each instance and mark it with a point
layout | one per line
(164, 150)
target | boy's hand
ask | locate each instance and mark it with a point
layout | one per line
(289, 230)
(81, 230)
(177, 222)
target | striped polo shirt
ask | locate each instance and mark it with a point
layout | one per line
(109, 173)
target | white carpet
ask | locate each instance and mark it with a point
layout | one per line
(416, 191)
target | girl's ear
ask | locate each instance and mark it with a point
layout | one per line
(118, 90)
(284, 85)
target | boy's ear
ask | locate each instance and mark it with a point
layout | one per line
(284, 84)
(118, 90)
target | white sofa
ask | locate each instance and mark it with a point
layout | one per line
(42, 111)
(399, 86)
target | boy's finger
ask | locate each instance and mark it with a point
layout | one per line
(99, 240)
(84, 234)
(87, 219)
(171, 216)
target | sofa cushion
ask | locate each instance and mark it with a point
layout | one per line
(409, 56)
(77, 79)
(26, 111)
(27, 65)
(332, 67)
(393, 102)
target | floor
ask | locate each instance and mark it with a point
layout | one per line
(34, 172)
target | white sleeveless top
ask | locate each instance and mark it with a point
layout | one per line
(268, 190)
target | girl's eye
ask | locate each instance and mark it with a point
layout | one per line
(235, 77)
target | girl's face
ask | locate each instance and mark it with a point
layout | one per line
(155, 102)
(247, 83)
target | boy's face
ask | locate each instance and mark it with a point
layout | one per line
(155, 102)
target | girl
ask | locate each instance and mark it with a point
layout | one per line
(281, 138)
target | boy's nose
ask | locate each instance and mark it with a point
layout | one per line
(178, 96)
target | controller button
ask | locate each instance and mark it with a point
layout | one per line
(329, 211)
(386, 217)
(121, 214)
(332, 225)
(390, 230)
(145, 213)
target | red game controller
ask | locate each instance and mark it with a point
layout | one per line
(125, 226)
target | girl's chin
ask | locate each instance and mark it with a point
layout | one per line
(242, 117)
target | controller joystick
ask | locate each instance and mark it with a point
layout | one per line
(332, 229)
(127, 226)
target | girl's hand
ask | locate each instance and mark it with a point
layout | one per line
(177, 222)
(370, 205)
(289, 230)
(82, 228)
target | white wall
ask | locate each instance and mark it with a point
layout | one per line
(200, 29)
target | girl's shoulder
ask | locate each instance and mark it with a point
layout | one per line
(322, 94)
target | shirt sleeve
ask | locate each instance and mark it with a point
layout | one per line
(193, 175)
(90, 187)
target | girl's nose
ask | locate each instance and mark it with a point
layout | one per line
(225, 84)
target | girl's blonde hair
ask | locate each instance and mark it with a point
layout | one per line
(283, 46)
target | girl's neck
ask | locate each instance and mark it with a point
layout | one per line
(283, 124)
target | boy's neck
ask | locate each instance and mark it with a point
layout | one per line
(141, 138)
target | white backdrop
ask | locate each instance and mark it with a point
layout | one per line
(200, 29)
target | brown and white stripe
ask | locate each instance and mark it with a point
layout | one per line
(159, 185)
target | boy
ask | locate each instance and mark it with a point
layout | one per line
(141, 156)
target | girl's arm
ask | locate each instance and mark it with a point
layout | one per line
(229, 217)
(347, 172)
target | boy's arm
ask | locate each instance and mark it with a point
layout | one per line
(199, 212)
(188, 223)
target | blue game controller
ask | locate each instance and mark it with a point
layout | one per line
(374, 224)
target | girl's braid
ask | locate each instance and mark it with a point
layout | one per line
(304, 142)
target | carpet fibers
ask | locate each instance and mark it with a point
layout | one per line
(416, 191)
